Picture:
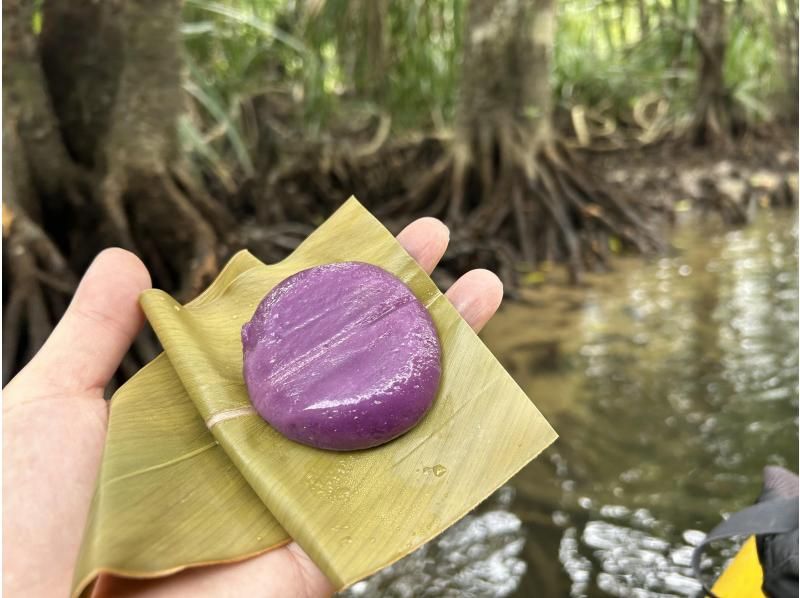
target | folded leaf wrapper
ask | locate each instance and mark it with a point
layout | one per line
(191, 475)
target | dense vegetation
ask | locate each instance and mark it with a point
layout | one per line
(185, 130)
(616, 59)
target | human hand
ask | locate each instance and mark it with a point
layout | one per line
(54, 427)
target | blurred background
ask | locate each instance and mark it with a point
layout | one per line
(628, 167)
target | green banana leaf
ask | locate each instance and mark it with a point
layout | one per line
(192, 476)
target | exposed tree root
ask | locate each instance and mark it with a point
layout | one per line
(153, 197)
(182, 252)
(562, 214)
(516, 199)
(40, 278)
(202, 265)
(536, 209)
(508, 208)
(212, 210)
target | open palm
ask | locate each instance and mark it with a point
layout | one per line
(54, 427)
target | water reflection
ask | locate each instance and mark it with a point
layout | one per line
(671, 386)
(479, 556)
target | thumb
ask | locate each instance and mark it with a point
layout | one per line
(86, 347)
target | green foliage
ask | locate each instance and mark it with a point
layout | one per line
(751, 71)
(605, 61)
(399, 56)
(334, 56)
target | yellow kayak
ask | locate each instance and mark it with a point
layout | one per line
(743, 577)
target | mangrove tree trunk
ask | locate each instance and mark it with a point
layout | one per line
(713, 120)
(509, 169)
(92, 105)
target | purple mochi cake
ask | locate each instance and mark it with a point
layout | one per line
(342, 357)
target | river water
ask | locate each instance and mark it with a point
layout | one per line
(672, 383)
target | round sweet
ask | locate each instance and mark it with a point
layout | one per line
(341, 356)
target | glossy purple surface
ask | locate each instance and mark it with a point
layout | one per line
(341, 356)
